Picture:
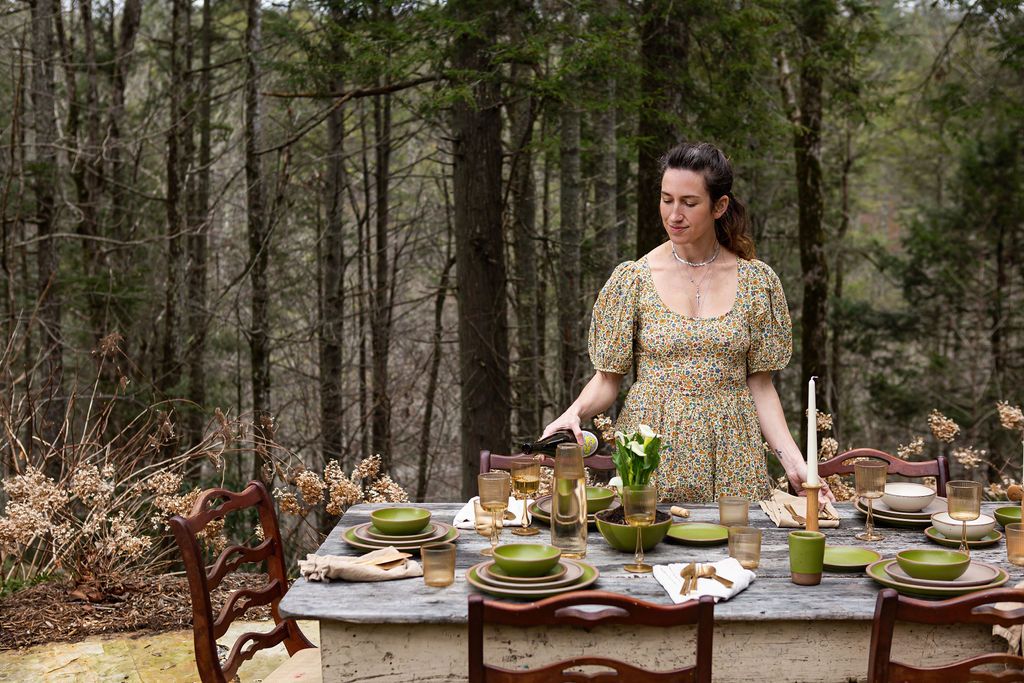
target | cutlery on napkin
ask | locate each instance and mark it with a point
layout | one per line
(721, 580)
(466, 517)
(790, 512)
(383, 564)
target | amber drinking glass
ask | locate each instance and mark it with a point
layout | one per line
(1015, 544)
(869, 478)
(745, 546)
(525, 483)
(733, 510)
(484, 520)
(639, 504)
(964, 501)
(438, 564)
(494, 488)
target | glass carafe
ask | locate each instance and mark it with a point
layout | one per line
(569, 502)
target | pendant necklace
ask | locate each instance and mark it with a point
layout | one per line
(700, 264)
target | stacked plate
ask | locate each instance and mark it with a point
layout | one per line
(979, 576)
(912, 520)
(541, 509)
(368, 537)
(937, 536)
(567, 575)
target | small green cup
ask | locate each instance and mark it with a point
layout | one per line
(806, 557)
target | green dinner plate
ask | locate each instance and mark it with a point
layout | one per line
(349, 537)
(876, 570)
(848, 558)
(988, 539)
(590, 575)
(698, 533)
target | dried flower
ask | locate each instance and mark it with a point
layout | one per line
(828, 448)
(1011, 417)
(384, 490)
(942, 427)
(89, 486)
(915, 447)
(840, 488)
(288, 502)
(969, 457)
(108, 345)
(368, 468)
(164, 483)
(824, 421)
(310, 486)
(342, 491)
(606, 426)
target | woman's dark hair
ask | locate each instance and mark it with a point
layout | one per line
(733, 228)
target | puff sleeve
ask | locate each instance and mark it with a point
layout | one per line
(614, 319)
(771, 330)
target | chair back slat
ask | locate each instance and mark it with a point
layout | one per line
(234, 556)
(249, 643)
(841, 464)
(563, 610)
(974, 608)
(202, 580)
(492, 461)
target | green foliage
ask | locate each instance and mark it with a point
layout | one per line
(637, 456)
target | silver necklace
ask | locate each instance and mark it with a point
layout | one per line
(699, 264)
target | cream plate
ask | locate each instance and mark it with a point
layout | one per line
(877, 571)
(977, 574)
(936, 536)
(487, 574)
(890, 520)
(937, 505)
(554, 574)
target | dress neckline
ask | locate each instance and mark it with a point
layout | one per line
(735, 299)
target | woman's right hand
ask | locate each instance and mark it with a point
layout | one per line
(568, 421)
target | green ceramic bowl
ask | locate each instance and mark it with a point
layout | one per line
(598, 498)
(934, 565)
(526, 559)
(1008, 515)
(400, 521)
(623, 537)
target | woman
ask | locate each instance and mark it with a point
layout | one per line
(707, 324)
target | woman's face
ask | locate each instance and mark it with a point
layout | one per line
(686, 210)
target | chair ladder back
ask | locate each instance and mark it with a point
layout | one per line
(492, 461)
(840, 464)
(975, 608)
(206, 629)
(563, 610)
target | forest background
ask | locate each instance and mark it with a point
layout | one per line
(250, 238)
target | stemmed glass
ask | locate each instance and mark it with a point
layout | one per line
(964, 501)
(494, 488)
(640, 505)
(525, 482)
(869, 477)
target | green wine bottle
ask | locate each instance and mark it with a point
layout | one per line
(548, 445)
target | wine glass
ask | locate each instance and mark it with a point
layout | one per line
(869, 476)
(640, 505)
(964, 501)
(525, 482)
(494, 488)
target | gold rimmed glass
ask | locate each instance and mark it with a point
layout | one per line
(869, 478)
(639, 503)
(964, 501)
(494, 488)
(1015, 544)
(525, 483)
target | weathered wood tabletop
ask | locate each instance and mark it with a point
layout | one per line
(771, 597)
(404, 631)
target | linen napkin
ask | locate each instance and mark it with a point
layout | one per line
(466, 517)
(384, 564)
(1014, 635)
(777, 511)
(668, 575)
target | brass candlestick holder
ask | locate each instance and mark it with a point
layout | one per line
(812, 505)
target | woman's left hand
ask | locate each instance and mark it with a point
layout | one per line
(798, 477)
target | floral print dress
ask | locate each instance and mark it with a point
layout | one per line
(691, 377)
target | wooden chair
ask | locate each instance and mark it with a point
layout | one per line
(561, 610)
(938, 468)
(206, 629)
(975, 608)
(492, 461)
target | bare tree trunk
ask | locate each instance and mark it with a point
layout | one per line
(333, 267)
(483, 328)
(570, 235)
(198, 239)
(259, 337)
(605, 210)
(44, 186)
(664, 54)
(381, 297)
(837, 320)
(524, 236)
(364, 301)
(131, 16)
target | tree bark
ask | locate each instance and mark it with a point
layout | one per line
(44, 185)
(570, 233)
(381, 298)
(259, 337)
(480, 257)
(664, 53)
(836, 375)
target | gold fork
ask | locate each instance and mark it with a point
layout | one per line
(797, 518)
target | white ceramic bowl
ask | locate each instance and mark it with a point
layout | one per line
(950, 528)
(907, 496)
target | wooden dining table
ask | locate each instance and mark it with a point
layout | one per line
(405, 631)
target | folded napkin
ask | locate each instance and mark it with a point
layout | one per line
(466, 517)
(380, 565)
(776, 509)
(1012, 634)
(668, 575)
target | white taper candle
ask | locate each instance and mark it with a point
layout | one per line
(812, 435)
